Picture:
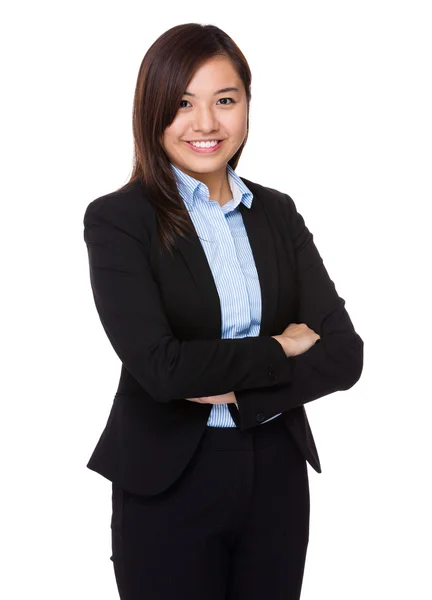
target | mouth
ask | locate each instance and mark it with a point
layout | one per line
(205, 150)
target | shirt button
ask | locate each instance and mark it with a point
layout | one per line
(260, 417)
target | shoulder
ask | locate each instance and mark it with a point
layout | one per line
(282, 210)
(130, 198)
(126, 208)
(272, 198)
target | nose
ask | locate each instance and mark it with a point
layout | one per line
(205, 120)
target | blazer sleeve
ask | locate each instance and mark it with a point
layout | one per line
(333, 363)
(130, 308)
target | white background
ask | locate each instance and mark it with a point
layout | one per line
(341, 121)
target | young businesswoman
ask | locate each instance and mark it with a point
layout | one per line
(215, 298)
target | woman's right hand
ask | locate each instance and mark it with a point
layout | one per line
(297, 338)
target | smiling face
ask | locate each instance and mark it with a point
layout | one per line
(208, 111)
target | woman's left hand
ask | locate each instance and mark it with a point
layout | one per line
(228, 398)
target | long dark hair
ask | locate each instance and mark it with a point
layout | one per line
(165, 71)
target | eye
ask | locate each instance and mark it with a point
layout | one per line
(224, 104)
(232, 100)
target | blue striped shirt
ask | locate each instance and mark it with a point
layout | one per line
(226, 245)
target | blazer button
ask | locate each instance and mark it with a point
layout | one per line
(271, 374)
(260, 417)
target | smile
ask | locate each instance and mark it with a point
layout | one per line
(204, 150)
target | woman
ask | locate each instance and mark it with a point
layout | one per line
(216, 300)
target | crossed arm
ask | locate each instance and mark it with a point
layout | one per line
(333, 365)
(130, 308)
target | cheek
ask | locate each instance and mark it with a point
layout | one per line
(170, 142)
(237, 123)
(172, 133)
(178, 127)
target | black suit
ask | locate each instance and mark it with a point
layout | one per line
(162, 316)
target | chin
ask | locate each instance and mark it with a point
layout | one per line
(206, 168)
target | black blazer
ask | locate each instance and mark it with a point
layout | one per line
(162, 316)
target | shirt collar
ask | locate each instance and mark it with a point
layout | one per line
(192, 190)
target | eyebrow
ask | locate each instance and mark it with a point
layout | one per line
(222, 91)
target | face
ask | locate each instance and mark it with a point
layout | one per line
(207, 113)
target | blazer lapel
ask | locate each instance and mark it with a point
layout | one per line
(264, 252)
(195, 258)
(261, 239)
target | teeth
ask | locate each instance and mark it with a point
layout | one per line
(204, 144)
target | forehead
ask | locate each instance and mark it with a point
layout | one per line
(217, 72)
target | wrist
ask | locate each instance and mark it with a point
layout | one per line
(286, 343)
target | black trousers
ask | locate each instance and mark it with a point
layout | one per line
(234, 526)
